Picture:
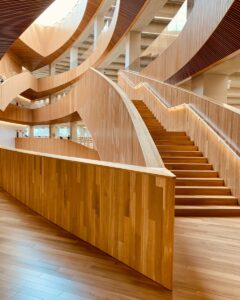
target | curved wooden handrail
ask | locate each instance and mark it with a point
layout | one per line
(182, 116)
(225, 121)
(56, 146)
(211, 33)
(118, 131)
(39, 45)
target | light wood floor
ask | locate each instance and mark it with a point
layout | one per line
(40, 261)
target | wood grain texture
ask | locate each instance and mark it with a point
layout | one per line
(123, 19)
(10, 65)
(118, 131)
(211, 33)
(177, 116)
(125, 211)
(16, 16)
(56, 265)
(21, 115)
(195, 194)
(56, 146)
(39, 46)
(225, 121)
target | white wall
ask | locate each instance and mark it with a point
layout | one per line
(8, 134)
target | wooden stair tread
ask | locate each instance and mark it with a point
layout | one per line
(199, 191)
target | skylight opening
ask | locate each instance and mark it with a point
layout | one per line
(57, 11)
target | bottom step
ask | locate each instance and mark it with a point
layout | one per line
(207, 211)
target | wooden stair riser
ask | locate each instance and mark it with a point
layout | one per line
(188, 166)
(190, 190)
(185, 159)
(199, 191)
(199, 182)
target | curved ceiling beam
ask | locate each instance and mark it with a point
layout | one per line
(39, 45)
(124, 17)
(212, 32)
(16, 16)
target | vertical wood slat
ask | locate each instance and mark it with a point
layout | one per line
(126, 211)
(180, 117)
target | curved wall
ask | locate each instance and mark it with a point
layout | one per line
(212, 32)
(40, 45)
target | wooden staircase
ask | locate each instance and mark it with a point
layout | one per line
(199, 190)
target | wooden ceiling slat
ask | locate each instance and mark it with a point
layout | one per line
(15, 17)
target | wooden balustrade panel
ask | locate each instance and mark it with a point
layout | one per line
(16, 114)
(211, 33)
(183, 118)
(126, 211)
(56, 146)
(118, 131)
(225, 122)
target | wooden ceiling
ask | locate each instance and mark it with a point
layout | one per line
(15, 17)
(224, 41)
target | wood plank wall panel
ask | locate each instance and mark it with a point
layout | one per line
(127, 213)
(56, 146)
(182, 118)
(16, 16)
(39, 46)
(212, 32)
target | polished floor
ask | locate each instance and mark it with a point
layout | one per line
(40, 261)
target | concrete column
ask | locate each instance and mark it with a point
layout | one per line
(73, 131)
(98, 27)
(133, 49)
(73, 57)
(190, 5)
(216, 86)
(52, 131)
(52, 71)
(197, 85)
(31, 131)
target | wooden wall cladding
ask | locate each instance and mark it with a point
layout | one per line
(39, 46)
(125, 15)
(127, 212)
(118, 131)
(16, 114)
(16, 16)
(181, 117)
(56, 146)
(224, 121)
(212, 32)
